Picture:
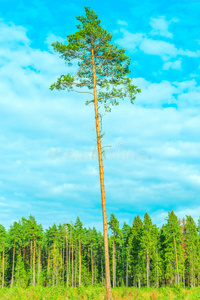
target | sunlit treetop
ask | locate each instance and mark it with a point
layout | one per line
(90, 47)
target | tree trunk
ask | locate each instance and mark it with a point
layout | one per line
(157, 281)
(53, 269)
(92, 266)
(177, 272)
(34, 262)
(75, 265)
(114, 265)
(69, 266)
(39, 264)
(127, 261)
(148, 267)
(72, 265)
(67, 260)
(31, 260)
(3, 269)
(105, 229)
(80, 261)
(13, 267)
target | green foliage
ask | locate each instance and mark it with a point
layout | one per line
(55, 259)
(91, 48)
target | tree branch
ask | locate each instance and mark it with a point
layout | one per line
(104, 60)
(111, 97)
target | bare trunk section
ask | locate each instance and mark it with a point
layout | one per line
(13, 267)
(105, 229)
(67, 260)
(148, 267)
(127, 262)
(176, 259)
(72, 265)
(80, 260)
(3, 269)
(39, 264)
(114, 265)
(92, 266)
(34, 262)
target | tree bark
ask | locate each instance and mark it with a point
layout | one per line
(148, 267)
(34, 262)
(92, 266)
(176, 258)
(114, 264)
(3, 269)
(67, 260)
(127, 261)
(39, 264)
(80, 260)
(13, 267)
(105, 229)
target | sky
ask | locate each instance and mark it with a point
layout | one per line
(47, 137)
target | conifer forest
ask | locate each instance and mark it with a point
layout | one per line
(72, 256)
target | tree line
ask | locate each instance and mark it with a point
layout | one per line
(69, 254)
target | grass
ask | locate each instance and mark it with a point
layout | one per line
(97, 293)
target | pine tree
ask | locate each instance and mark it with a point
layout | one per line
(136, 263)
(114, 226)
(3, 246)
(103, 69)
(173, 253)
(126, 231)
(147, 245)
(192, 242)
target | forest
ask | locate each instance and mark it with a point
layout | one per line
(70, 255)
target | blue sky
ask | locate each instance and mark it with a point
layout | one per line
(47, 138)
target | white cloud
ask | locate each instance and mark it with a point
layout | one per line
(35, 120)
(176, 65)
(160, 48)
(130, 40)
(12, 34)
(142, 41)
(122, 23)
(160, 26)
(51, 38)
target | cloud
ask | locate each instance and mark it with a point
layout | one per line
(176, 65)
(144, 42)
(35, 120)
(12, 34)
(130, 40)
(122, 23)
(160, 26)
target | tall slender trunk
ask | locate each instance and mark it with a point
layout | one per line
(127, 262)
(75, 265)
(176, 258)
(95, 267)
(80, 260)
(54, 265)
(24, 249)
(31, 260)
(148, 267)
(39, 264)
(34, 262)
(92, 266)
(101, 271)
(13, 266)
(114, 264)
(67, 260)
(157, 281)
(105, 229)
(69, 267)
(72, 264)
(48, 265)
(3, 269)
